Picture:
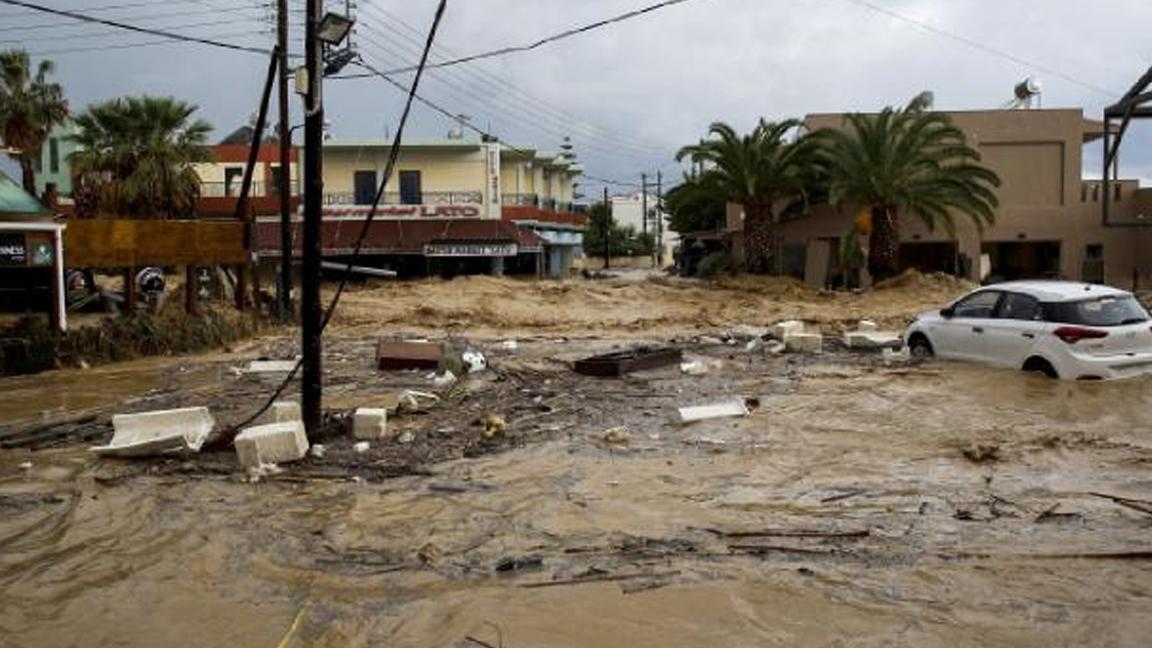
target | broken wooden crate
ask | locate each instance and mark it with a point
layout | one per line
(624, 362)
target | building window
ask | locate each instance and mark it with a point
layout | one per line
(1095, 193)
(233, 176)
(411, 192)
(1093, 268)
(53, 155)
(276, 184)
(363, 187)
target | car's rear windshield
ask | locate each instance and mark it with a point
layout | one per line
(1101, 311)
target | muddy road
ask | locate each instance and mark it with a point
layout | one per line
(862, 503)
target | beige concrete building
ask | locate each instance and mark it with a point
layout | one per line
(1049, 223)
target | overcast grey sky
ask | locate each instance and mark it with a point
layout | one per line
(629, 94)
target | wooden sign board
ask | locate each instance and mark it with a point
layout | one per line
(120, 243)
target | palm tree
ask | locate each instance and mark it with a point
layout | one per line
(908, 160)
(697, 204)
(136, 157)
(29, 107)
(761, 171)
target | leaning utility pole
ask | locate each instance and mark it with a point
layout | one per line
(659, 220)
(284, 286)
(310, 316)
(644, 204)
(607, 230)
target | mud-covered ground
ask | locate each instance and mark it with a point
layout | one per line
(864, 502)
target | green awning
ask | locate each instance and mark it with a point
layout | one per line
(14, 200)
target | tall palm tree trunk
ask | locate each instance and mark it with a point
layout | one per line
(884, 243)
(759, 239)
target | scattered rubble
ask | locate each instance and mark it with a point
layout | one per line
(804, 342)
(719, 410)
(158, 432)
(271, 443)
(370, 423)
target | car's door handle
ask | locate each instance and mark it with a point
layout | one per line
(977, 329)
(1030, 336)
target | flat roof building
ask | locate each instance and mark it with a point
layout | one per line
(454, 205)
(1049, 223)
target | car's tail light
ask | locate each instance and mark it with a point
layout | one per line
(1073, 334)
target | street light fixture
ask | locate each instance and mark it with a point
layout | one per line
(333, 28)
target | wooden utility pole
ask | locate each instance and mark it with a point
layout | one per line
(310, 315)
(644, 203)
(607, 232)
(659, 220)
(284, 286)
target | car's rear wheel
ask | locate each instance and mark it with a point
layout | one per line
(1040, 366)
(920, 347)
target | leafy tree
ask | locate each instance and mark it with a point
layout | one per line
(29, 107)
(907, 160)
(761, 171)
(622, 239)
(136, 156)
(697, 204)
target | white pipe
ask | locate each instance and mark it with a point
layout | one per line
(372, 272)
(60, 294)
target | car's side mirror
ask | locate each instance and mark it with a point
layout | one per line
(947, 312)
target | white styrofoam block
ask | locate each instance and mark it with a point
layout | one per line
(872, 340)
(781, 330)
(271, 443)
(271, 366)
(370, 423)
(150, 433)
(281, 411)
(867, 326)
(719, 410)
(804, 342)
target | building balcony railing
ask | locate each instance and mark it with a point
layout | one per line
(397, 198)
(520, 199)
(232, 189)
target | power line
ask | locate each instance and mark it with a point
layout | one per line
(513, 49)
(135, 28)
(178, 14)
(393, 157)
(542, 122)
(131, 45)
(981, 46)
(116, 32)
(559, 121)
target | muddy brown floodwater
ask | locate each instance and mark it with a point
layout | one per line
(861, 504)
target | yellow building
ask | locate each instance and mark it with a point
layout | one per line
(451, 205)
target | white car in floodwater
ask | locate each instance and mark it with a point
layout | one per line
(1062, 329)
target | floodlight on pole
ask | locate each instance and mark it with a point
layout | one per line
(333, 28)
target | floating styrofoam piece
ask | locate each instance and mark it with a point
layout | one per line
(873, 340)
(731, 408)
(281, 411)
(781, 330)
(446, 380)
(370, 423)
(271, 366)
(509, 345)
(158, 432)
(474, 361)
(804, 342)
(271, 443)
(867, 326)
(362, 447)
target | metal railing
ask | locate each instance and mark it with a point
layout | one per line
(520, 199)
(232, 189)
(397, 198)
